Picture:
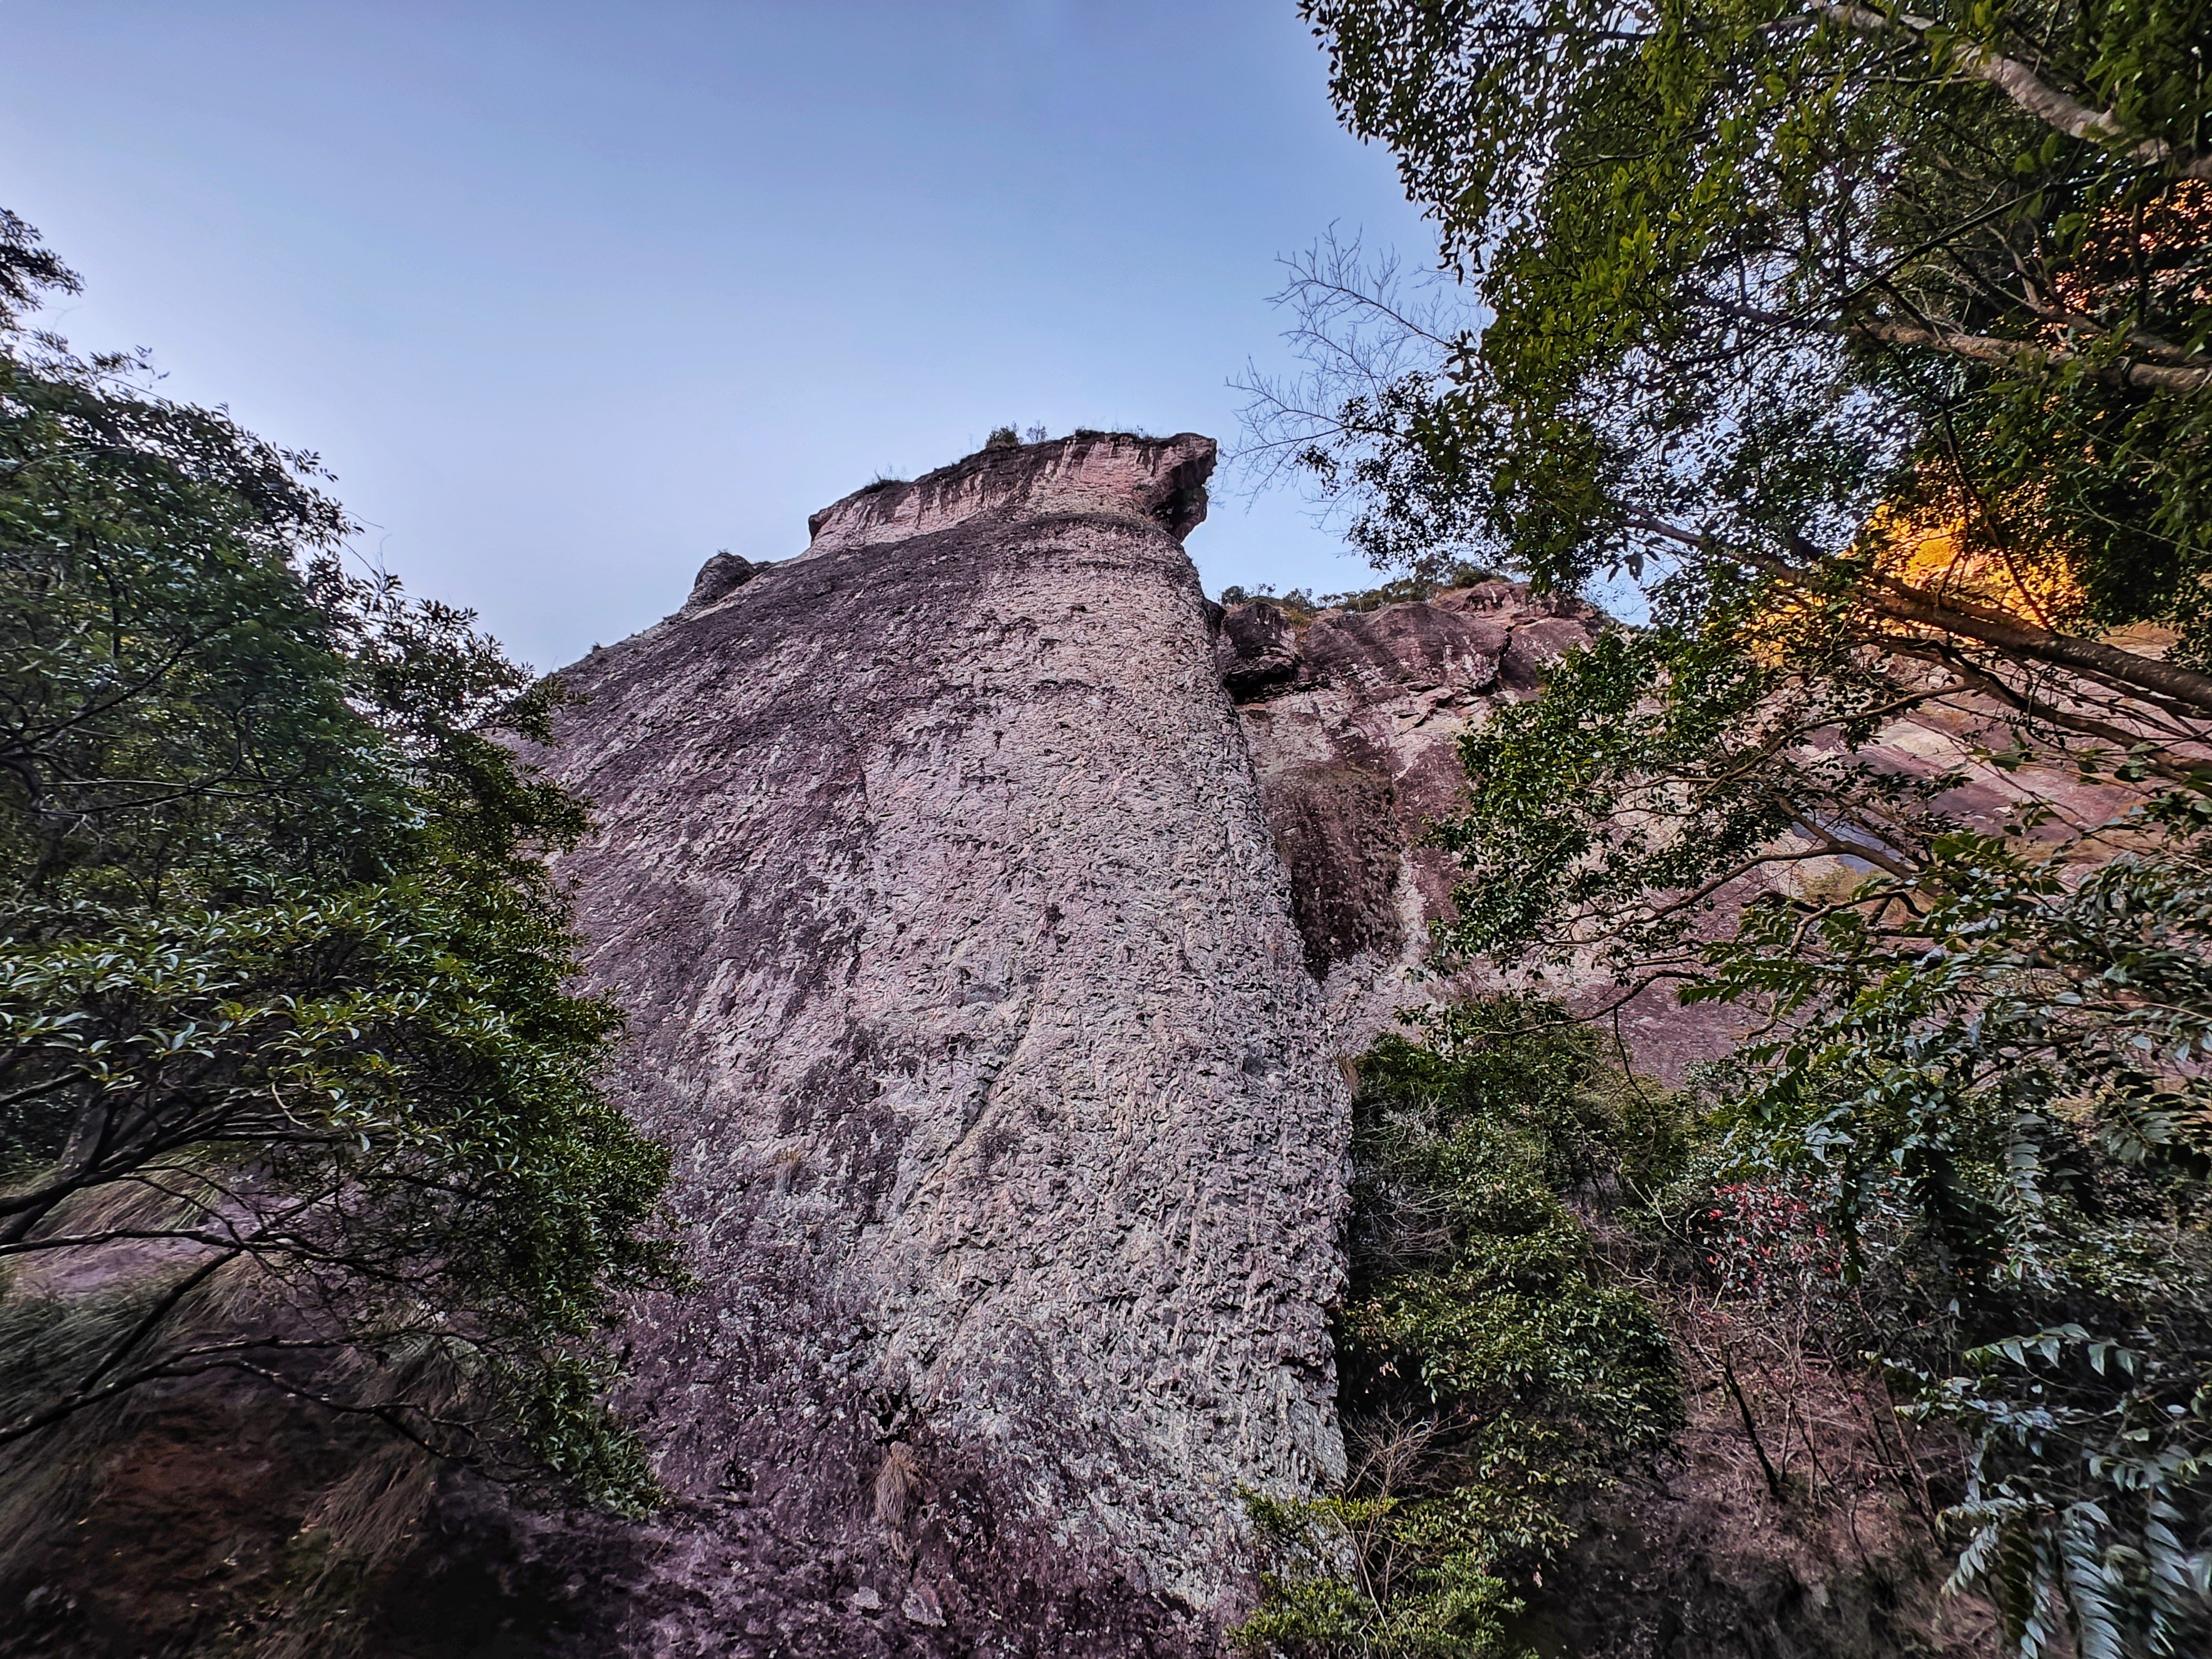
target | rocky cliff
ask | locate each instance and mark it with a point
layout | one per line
(991, 914)
(932, 871)
(1353, 719)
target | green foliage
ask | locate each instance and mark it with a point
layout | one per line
(1448, 1605)
(1732, 266)
(2024, 1080)
(1403, 590)
(1877, 347)
(290, 1069)
(1488, 1375)
(1664, 766)
(1990, 1064)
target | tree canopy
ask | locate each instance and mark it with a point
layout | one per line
(295, 1084)
(1870, 353)
(1741, 273)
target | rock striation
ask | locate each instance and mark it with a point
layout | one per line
(932, 872)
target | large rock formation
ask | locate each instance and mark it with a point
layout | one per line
(930, 870)
(1354, 719)
(990, 912)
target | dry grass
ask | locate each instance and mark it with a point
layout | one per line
(898, 1482)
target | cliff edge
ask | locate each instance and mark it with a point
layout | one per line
(930, 871)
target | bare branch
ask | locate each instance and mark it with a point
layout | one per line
(1895, 598)
(2027, 354)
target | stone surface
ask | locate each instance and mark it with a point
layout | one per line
(1353, 719)
(932, 873)
(1110, 473)
(989, 912)
(718, 578)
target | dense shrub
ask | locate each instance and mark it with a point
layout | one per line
(1489, 1374)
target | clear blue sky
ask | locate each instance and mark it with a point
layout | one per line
(569, 295)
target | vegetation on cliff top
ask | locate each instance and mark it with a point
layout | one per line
(293, 1086)
(1877, 348)
(1401, 590)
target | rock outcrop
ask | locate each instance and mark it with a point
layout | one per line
(1354, 719)
(990, 914)
(1114, 475)
(960, 976)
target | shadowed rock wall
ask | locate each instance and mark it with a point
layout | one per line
(930, 870)
(1354, 719)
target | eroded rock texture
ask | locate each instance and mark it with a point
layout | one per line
(960, 976)
(1354, 719)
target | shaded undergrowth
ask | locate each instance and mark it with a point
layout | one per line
(1491, 1372)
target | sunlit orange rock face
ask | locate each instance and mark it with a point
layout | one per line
(1957, 550)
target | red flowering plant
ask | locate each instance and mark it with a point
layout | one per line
(1764, 1239)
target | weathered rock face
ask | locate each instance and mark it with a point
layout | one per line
(1354, 719)
(960, 976)
(989, 912)
(1109, 473)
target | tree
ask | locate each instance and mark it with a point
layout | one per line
(1876, 349)
(294, 1085)
(1737, 265)
(1491, 1372)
